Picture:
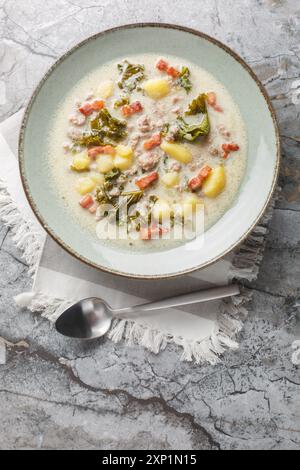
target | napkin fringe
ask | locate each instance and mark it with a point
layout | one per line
(26, 238)
(207, 350)
(245, 266)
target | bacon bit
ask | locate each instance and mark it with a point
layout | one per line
(88, 108)
(227, 148)
(211, 99)
(107, 149)
(154, 231)
(126, 110)
(154, 141)
(86, 202)
(173, 72)
(163, 66)
(93, 209)
(197, 181)
(130, 109)
(144, 182)
(97, 105)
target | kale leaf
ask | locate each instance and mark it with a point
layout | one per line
(90, 139)
(118, 202)
(104, 130)
(198, 105)
(184, 79)
(112, 175)
(131, 75)
(190, 131)
(105, 125)
(121, 102)
(102, 192)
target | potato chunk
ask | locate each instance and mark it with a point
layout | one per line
(105, 89)
(157, 88)
(170, 179)
(215, 182)
(123, 163)
(124, 151)
(98, 178)
(105, 163)
(85, 185)
(161, 210)
(177, 151)
(81, 162)
(190, 204)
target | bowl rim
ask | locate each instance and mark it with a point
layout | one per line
(69, 52)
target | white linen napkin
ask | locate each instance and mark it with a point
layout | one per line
(203, 331)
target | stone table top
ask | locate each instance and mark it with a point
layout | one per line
(53, 393)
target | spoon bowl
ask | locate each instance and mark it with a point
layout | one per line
(88, 319)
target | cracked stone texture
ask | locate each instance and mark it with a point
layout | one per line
(57, 393)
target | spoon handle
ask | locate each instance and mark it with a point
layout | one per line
(185, 299)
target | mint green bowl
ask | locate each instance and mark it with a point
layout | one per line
(263, 148)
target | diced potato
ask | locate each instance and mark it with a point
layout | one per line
(105, 163)
(124, 151)
(215, 182)
(85, 185)
(190, 204)
(122, 163)
(170, 179)
(177, 151)
(105, 89)
(157, 88)
(81, 162)
(161, 210)
(98, 178)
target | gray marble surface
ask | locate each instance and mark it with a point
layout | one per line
(57, 394)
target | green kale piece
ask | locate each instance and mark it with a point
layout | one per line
(131, 75)
(104, 130)
(184, 79)
(190, 132)
(112, 175)
(107, 126)
(198, 105)
(121, 102)
(90, 139)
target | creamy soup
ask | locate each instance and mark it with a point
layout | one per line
(147, 143)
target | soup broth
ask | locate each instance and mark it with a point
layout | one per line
(160, 133)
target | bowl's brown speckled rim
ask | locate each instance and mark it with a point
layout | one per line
(131, 26)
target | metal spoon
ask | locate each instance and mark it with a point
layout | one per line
(91, 318)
